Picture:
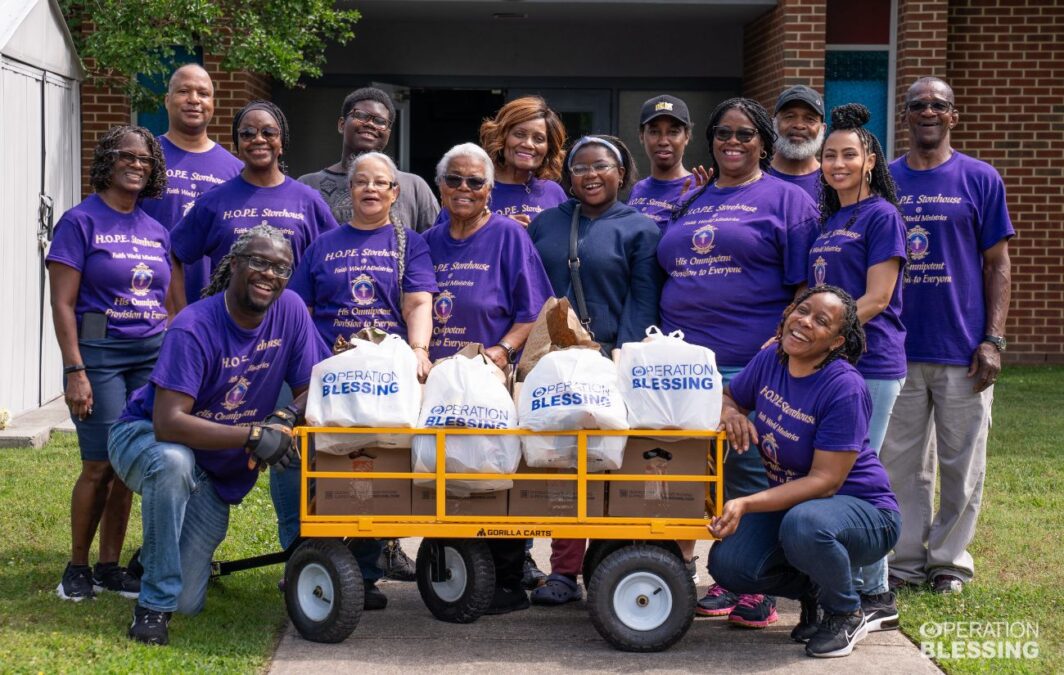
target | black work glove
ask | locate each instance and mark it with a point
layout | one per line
(271, 447)
(288, 416)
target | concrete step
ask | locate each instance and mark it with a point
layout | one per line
(33, 428)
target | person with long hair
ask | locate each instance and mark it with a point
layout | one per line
(734, 256)
(830, 506)
(109, 266)
(861, 249)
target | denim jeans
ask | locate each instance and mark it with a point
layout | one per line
(811, 545)
(183, 519)
(744, 474)
(872, 579)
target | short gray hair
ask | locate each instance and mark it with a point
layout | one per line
(380, 156)
(472, 151)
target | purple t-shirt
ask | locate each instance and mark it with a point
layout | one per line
(189, 175)
(828, 410)
(488, 282)
(234, 207)
(124, 262)
(657, 198)
(810, 182)
(953, 214)
(350, 280)
(233, 374)
(512, 199)
(733, 261)
(841, 257)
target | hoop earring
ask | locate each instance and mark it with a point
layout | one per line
(763, 154)
(868, 177)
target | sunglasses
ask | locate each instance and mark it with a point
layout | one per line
(579, 170)
(248, 134)
(130, 158)
(938, 107)
(262, 264)
(725, 134)
(454, 181)
(372, 120)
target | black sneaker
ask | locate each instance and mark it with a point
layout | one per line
(947, 584)
(508, 600)
(532, 577)
(149, 626)
(881, 612)
(76, 584)
(808, 621)
(373, 597)
(112, 577)
(395, 563)
(837, 635)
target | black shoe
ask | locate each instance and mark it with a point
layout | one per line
(808, 621)
(395, 563)
(895, 584)
(881, 612)
(149, 626)
(532, 577)
(508, 600)
(111, 577)
(76, 584)
(837, 635)
(947, 584)
(373, 597)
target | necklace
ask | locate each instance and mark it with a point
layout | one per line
(759, 176)
(225, 299)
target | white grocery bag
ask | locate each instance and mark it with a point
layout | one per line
(466, 392)
(670, 384)
(370, 385)
(573, 388)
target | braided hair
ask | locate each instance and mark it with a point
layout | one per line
(105, 155)
(278, 116)
(853, 117)
(853, 345)
(223, 272)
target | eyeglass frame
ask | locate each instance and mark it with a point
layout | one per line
(735, 133)
(132, 157)
(278, 270)
(598, 168)
(448, 178)
(924, 105)
(267, 133)
(368, 118)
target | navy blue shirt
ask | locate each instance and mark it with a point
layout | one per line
(618, 267)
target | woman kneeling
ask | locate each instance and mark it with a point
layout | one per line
(830, 507)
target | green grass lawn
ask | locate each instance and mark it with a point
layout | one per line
(1018, 565)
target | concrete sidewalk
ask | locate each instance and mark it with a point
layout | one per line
(406, 638)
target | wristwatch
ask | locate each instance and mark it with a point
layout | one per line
(511, 353)
(996, 340)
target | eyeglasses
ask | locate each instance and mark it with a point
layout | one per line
(248, 134)
(262, 264)
(585, 169)
(362, 184)
(370, 119)
(725, 134)
(454, 181)
(130, 158)
(937, 107)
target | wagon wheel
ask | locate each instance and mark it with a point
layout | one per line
(456, 578)
(323, 590)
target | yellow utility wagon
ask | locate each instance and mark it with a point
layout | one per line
(639, 594)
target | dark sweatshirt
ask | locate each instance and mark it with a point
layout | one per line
(618, 266)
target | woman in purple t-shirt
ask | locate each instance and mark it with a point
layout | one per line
(830, 506)
(109, 266)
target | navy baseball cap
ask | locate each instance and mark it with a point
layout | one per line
(803, 94)
(664, 105)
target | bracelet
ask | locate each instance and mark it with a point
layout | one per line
(415, 347)
(74, 369)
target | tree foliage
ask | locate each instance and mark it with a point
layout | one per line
(133, 40)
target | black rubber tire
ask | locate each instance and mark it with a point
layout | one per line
(342, 578)
(667, 571)
(597, 550)
(471, 600)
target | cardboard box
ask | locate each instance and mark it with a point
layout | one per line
(481, 504)
(658, 499)
(351, 496)
(554, 498)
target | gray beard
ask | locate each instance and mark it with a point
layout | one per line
(798, 151)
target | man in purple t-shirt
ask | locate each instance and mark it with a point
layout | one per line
(194, 163)
(954, 306)
(799, 124)
(192, 439)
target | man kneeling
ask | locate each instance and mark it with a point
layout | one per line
(190, 442)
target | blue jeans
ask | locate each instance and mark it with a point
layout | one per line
(744, 474)
(872, 579)
(183, 519)
(809, 546)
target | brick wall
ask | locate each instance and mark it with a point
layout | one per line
(921, 52)
(783, 47)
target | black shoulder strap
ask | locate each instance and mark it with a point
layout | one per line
(574, 272)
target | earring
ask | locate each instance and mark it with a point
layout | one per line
(571, 193)
(868, 177)
(763, 154)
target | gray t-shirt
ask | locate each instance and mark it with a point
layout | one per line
(416, 207)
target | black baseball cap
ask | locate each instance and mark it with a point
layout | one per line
(664, 105)
(804, 94)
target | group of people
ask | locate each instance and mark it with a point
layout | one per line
(856, 310)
